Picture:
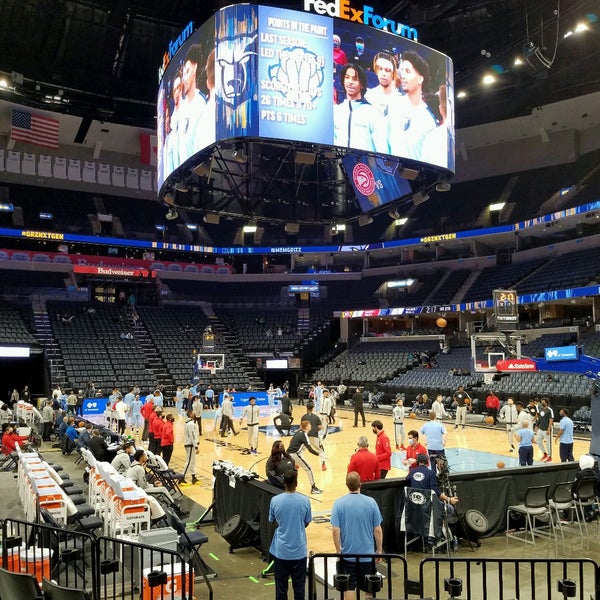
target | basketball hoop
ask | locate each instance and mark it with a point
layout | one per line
(213, 371)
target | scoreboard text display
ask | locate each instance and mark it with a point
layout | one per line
(506, 309)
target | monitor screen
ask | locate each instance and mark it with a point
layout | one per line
(266, 72)
(375, 180)
(276, 363)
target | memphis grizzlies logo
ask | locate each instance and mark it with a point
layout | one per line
(298, 76)
(234, 60)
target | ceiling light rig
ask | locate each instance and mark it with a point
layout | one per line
(537, 55)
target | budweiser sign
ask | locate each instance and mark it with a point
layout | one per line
(113, 271)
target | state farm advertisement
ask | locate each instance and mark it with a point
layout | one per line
(516, 365)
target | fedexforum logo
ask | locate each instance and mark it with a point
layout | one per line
(366, 16)
(174, 45)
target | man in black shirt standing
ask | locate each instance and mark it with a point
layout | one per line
(286, 405)
(463, 402)
(545, 422)
(359, 406)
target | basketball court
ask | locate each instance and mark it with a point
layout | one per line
(476, 448)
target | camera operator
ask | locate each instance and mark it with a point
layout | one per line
(422, 478)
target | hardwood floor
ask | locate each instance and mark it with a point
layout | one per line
(339, 447)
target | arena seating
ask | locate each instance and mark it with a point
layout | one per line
(529, 191)
(591, 344)
(394, 367)
(69, 208)
(257, 329)
(138, 216)
(92, 347)
(569, 270)
(13, 329)
(176, 331)
(499, 276)
(535, 348)
(449, 287)
(367, 363)
(230, 293)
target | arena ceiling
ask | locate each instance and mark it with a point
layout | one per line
(99, 60)
(104, 55)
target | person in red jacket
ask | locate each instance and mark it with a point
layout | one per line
(414, 449)
(146, 410)
(492, 405)
(383, 448)
(10, 439)
(364, 462)
(168, 438)
(151, 419)
(157, 430)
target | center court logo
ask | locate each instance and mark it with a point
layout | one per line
(363, 179)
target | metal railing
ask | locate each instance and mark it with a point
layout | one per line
(385, 573)
(468, 579)
(507, 579)
(63, 555)
(107, 568)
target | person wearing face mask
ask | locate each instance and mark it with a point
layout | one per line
(414, 449)
(339, 56)
(360, 58)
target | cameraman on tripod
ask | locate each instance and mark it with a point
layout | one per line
(423, 478)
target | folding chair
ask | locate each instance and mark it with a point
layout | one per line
(64, 544)
(168, 477)
(538, 516)
(584, 496)
(189, 543)
(19, 585)
(53, 591)
(8, 462)
(562, 503)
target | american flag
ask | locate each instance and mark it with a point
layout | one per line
(35, 129)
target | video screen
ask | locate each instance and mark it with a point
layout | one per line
(376, 180)
(186, 108)
(257, 71)
(392, 96)
(276, 363)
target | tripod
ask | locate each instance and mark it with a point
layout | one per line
(443, 475)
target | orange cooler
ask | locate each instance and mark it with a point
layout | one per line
(173, 589)
(36, 561)
(13, 559)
